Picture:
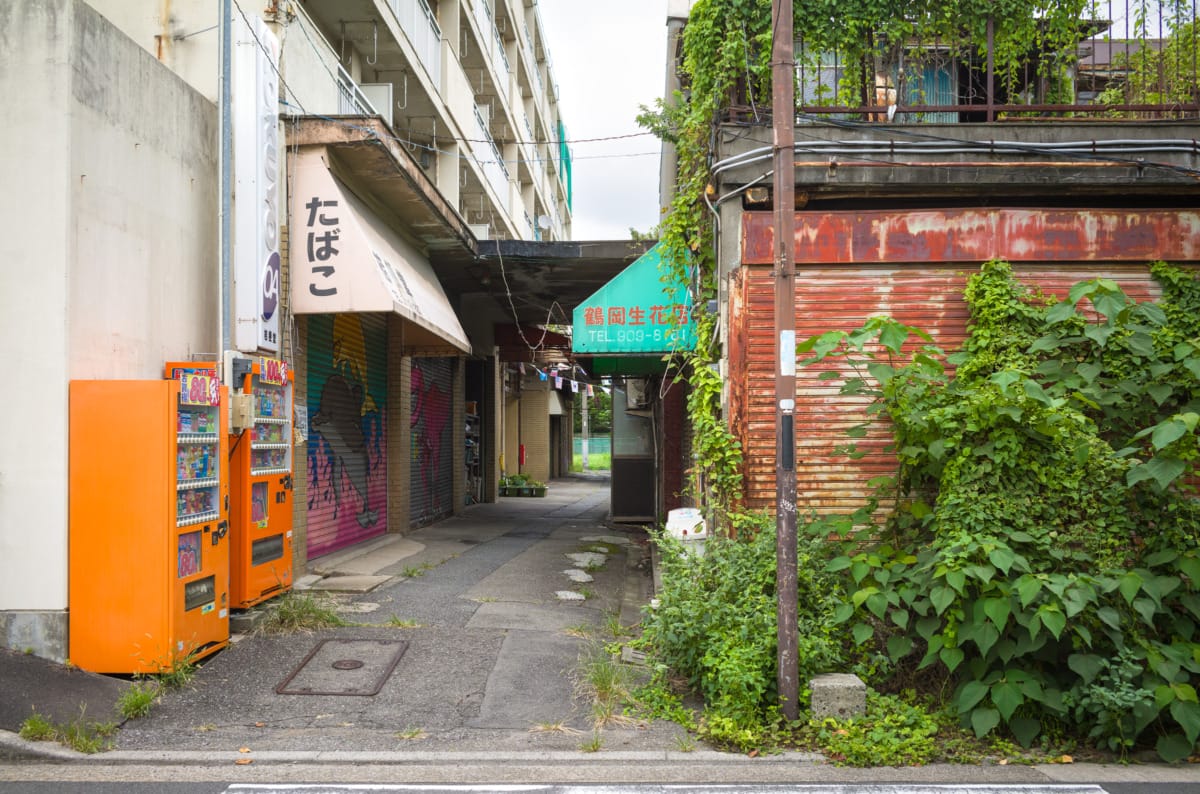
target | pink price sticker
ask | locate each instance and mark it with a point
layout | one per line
(199, 390)
(273, 371)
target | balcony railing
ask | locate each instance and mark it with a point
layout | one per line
(421, 26)
(487, 154)
(1122, 65)
(351, 100)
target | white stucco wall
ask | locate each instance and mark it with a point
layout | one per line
(111, 208)
(34, 75)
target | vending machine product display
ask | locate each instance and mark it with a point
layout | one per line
(261, 488)
(148, 510)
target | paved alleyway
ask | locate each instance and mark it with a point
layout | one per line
(495, 628)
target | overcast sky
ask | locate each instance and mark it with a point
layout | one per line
(608, 58)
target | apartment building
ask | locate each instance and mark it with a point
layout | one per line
(418, 131)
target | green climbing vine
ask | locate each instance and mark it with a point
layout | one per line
(1041, 558)
(726, 52)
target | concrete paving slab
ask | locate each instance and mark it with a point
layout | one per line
(533, 684)
(533, 617)
(376, 560)
(350, 584)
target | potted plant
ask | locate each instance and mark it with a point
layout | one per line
(537, 488)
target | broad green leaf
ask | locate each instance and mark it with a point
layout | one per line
(1185, 692)
(859, 571)
(951, 657)
(1028, 588)
(862, 595)
(893, 336)
(1163, 470)
(899, 617)
(941, 597)
(1159, 587)
(1161, 557)
(1059, 312)
(985, 637)
(969, 695)
(1191, 567)
(997, 610)
(838, 564)
(898, 647)
(1002, 558)
(927, 626)
(956, 579)
(881, 372)
(1159, 392)
(1052, 619)
(1025, 729)
(1007, 696)
(1141, 344)
(878, 604)
(862, 632)
(842, 612)
(1098, 333)
(1088, 371)
(983, 721)
(1174, 747)
(1129, 586)
(1146, 608)
(1086, 665)
(1034, 391)
(1187, 714)
(1167, 431)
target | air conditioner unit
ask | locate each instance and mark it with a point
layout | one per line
(480, 230)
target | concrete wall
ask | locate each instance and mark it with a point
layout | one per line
(182, 34)
(110, 165)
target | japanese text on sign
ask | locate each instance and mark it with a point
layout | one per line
(321, 242)
(199, 390)
(676, 313)
(273, 371)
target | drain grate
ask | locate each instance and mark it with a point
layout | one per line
(344, 667)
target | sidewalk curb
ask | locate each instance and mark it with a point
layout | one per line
(14, 748)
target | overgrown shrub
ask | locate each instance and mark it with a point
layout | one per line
(1042, 546)
(715, 624)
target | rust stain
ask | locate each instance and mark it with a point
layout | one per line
(928, 297)
(976, 235)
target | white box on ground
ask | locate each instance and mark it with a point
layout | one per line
(687, 524)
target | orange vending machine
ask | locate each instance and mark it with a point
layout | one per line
(149, 499)
(261, 486)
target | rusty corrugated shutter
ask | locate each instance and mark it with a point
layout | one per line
(925, 296)
(347, 449)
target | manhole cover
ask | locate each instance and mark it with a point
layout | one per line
(344, 667)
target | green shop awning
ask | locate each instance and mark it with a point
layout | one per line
(636, 313)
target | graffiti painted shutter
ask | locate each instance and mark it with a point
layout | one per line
(927, 296)
(432, 484)
(347, 449)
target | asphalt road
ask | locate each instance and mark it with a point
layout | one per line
(226, 787)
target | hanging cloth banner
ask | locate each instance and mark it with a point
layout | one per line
(590, 393)
(558, 381)
(575, 386)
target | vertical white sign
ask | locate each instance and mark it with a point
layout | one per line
(256, 264)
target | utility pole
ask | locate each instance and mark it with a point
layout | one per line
(783, 113)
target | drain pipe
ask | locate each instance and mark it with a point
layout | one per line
(226, 167)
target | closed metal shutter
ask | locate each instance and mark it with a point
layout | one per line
(347, 449)
(927, 296)
(432, 485)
